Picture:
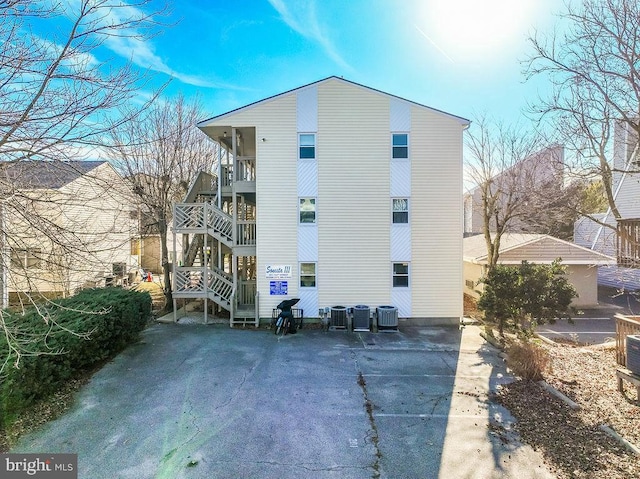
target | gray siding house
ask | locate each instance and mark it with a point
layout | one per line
(622, 238)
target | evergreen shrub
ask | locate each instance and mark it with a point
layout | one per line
(60, 340)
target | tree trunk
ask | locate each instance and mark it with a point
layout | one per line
(166, 270)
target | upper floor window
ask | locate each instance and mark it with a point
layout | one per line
(400, 210)
(26, 258)
(307, 210)
(307, 143)
(400, 144)
(400, 275)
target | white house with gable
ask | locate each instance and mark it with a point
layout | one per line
(334, 193)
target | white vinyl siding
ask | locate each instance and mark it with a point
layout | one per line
(352, 181)
(307, 178)
(307, 109)
(400, 178)
(399, 115)
(400, 243)
(353, 189)
(96, 206)
(436, 215)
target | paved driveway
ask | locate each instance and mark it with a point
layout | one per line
(596, 325)
(196, 401)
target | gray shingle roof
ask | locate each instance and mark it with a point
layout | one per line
(45, 174)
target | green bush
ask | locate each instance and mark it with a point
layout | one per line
(60, 340)
(520, 297)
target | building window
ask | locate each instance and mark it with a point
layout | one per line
(470, 284)
(135, 246)
(307, 210)
(26, 258)
(400, 275)
(307, 145)
(400, 210)
(400, 143)
(307, 275)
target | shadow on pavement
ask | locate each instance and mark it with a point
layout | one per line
(198, 401)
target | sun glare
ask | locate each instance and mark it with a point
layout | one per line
(463, 28)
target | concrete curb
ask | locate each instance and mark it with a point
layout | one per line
(491, 341)
(572, 404)
(546, 340)
(631, 447)
(603, 427)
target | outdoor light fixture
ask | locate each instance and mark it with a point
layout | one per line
(264, 139)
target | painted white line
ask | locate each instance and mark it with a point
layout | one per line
(425, 416)
(577, 332)
(591, 319)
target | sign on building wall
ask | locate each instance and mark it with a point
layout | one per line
(277, 271)
(278, 288)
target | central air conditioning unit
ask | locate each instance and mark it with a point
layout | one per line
(633, 353)
(338, 318)
(361, 315)
(387, 317)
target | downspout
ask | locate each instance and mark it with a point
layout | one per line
(175, 266)
(234, 222)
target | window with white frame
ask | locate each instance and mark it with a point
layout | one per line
(307, 275)
(307, 146)
(307, 210)
(400, 145)
(29, 258)
(400, 275)
(400, 208)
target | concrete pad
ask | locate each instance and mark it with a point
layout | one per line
(198, 401)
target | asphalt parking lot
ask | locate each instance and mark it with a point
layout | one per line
(206, 401)
(595, 325)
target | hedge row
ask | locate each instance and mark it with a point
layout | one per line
(60, 341)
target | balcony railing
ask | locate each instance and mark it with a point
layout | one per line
(625, 325)
(246, 233)
(246, 170)
(628, 243)
(189, 216)
(247, 292)
(190, 281)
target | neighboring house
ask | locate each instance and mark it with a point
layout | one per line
(622, 238)
(334, 193)
(84, 209)
(582, 263)
(543, 169)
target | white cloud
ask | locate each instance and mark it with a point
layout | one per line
(301, 16)
(132, 45)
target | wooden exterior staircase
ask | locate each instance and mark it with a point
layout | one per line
(209, 232)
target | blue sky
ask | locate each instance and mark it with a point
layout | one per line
(461, 56)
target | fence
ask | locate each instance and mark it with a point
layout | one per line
(625, 325)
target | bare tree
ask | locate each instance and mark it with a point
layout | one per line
(59, 98)
(161, 155)
(514, 178)
(594, 68)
